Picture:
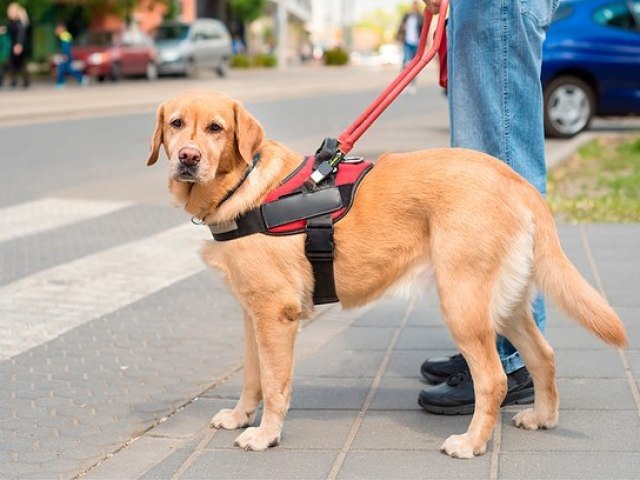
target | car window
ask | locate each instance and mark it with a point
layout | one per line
(615, 15)
(563, 11)
(177, 31)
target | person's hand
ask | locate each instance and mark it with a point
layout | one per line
(433, 6)
(17, 49)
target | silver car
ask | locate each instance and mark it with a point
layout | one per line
(184, 48)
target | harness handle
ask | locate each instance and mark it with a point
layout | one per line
(351, 135)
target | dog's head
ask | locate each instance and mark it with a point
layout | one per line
(205, 136)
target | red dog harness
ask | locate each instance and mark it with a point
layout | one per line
(299, 205)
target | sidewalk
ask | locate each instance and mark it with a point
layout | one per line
(354, 412)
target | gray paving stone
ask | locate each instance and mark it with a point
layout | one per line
(425, 314)
(583, 431)
(589, 364)
(303, 430)
(316, 393)
(573, 338)
(384, 313)
(595, 394)
(406, 363)
(361, 338)
(192, 419)
(634, 363)
(397, 393)
(569, 465)
(134, 460)
(272, 464)
(425, 338)
(341, 364)
(407, 430)
(412, 465)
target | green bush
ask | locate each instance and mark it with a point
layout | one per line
(336, 56)
(240, 61)
(264, 60)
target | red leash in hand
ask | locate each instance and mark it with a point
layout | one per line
(351, 135)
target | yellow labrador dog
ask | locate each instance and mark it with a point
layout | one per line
(481, 231)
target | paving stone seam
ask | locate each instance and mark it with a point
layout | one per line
(386, 359)
(622, 353)
(193, 456)
(494, 472)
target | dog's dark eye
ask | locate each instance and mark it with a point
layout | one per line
(214, 127)
(177, 123)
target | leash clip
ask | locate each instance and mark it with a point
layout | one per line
(197, 221)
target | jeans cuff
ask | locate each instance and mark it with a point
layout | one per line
(512, 363)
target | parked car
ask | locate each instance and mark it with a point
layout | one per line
(116, 53)
(183, 48)
(591, 64)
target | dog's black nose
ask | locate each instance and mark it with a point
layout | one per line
(189, 156)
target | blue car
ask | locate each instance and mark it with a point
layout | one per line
(591, 64)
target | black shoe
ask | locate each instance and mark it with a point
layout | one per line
(455, 396)
(437, 370)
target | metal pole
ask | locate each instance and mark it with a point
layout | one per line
(283, 13)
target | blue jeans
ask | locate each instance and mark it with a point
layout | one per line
(495, 95)
(64, 69)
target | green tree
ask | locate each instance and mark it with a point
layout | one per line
(246, 11)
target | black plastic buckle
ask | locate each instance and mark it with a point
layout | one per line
(319, 244)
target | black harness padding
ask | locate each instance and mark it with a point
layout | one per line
(298, 206)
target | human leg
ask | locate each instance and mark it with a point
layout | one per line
(501, 54)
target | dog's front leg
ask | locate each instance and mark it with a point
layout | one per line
(275, 330)
(243, 415)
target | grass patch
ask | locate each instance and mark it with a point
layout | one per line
(600, 183)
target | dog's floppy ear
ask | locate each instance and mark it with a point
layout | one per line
(156, 140)
(249, 133)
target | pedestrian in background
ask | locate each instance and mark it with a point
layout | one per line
(495, 97)
(409, 35)
(64, 59)
(5, 49)
(18, 33)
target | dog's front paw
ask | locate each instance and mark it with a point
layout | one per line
(257, 439)
(231, 419)
(530, 419)
(462, 446)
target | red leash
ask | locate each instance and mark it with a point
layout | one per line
(351, 135)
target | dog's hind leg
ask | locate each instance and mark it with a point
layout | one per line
(538, 357)
(466, 305)
(275, 327)
(243, 415)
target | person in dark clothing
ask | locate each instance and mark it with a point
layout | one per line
(409, 35)
(18, 29)
(65, 63)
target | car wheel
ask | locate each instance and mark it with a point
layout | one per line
(190, 69)
(115, 73)
(223, 68)
(569, 106)
(152, 71)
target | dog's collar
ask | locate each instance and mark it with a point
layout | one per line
(227, 196)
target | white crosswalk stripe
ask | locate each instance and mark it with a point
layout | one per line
(42, 306)
(48, 213)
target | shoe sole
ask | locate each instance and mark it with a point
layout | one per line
(522, 398)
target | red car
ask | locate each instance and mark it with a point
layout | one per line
(115, 54)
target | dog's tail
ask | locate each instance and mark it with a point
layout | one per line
(560, 281)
